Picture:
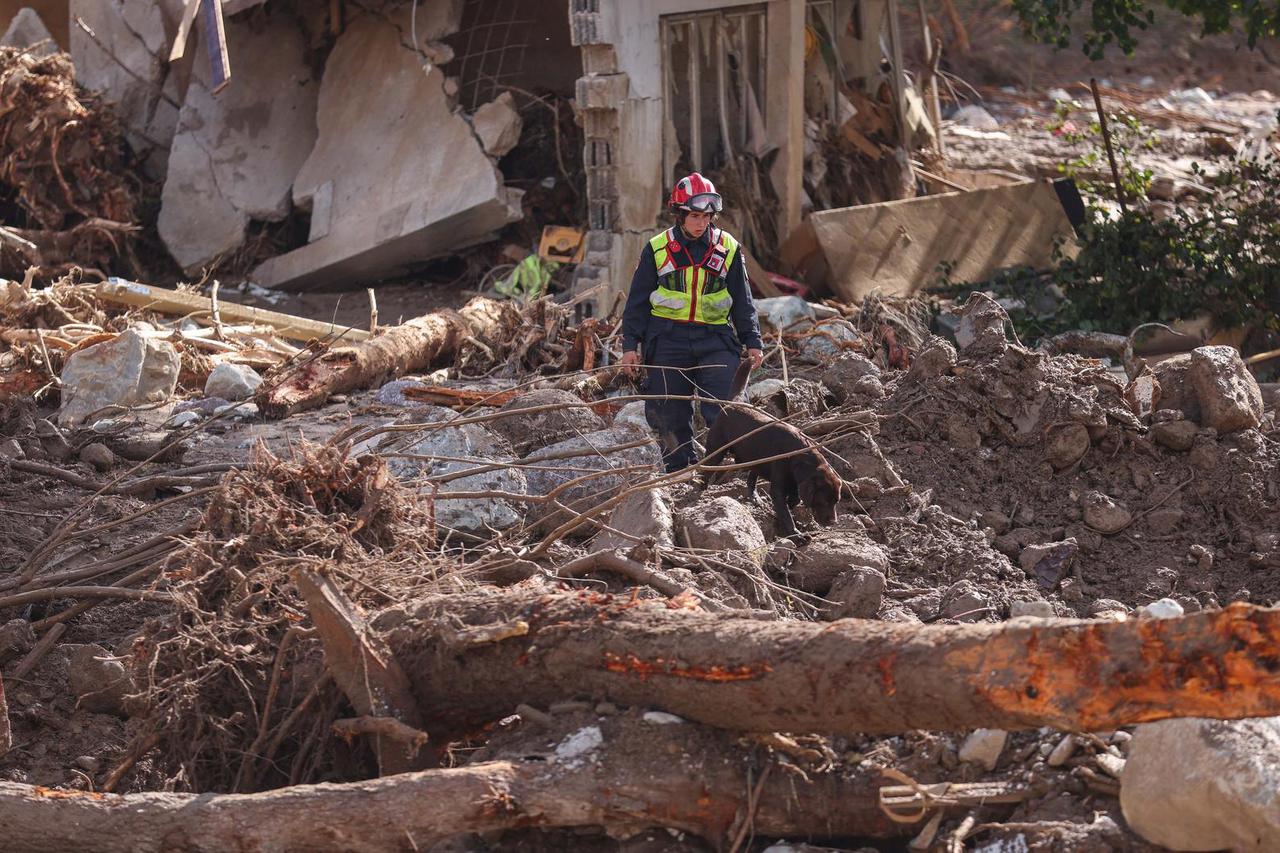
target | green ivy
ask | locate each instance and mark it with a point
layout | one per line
(1129, 136)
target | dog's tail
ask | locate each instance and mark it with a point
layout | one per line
(740, 379)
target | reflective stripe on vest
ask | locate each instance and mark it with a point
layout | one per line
(692, 290)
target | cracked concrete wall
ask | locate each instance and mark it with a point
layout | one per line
(397, 176)
(235, 155)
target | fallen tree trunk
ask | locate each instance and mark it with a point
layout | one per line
(617, 772)
(395, 351)
(844, 677)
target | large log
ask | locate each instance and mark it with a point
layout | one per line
(618, 772)
(395, 351)
(843, 677)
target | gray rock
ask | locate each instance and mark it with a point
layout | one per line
(846, 371)
(232, 382)
(1049, 563)
(98, 455)
(1105, 605)
(1105, 514)
(723, 524)
(936, 358)
(786, 313)
(88, 763)
(528, 432)
(974, 116)
(498, 125)
(981, 327)
(183, 419)
(856, 594)
(642, 514)
(27, 29)
(1066, 445)
(964, 603)
(476, 446)
(1197, 784)
(1038, 609)
(127, 371)
(830, 340)
(632, 414)
(1228, 395)
(551, 473)
(98, 680)
(11, 449)
(831, 554)
(392, 393)
(984, 746)
(1175, 435)
(997, 521)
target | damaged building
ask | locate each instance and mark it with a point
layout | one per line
(376, 129)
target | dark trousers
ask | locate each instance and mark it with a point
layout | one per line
(686, 359)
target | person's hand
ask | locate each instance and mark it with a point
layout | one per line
(630, 359)
(756, 357)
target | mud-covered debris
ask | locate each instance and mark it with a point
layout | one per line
(1228, 394)
(787, 314)
(528, 432)
(98, 455)
(1038, 609)
(1066, 445)
(99, 680)
(828, 339)
(1105, 514)
(856, 593)
(1176, 392)
(642, 515)
(829, 555)
(936, 358)
(844, 375)
(981, 328)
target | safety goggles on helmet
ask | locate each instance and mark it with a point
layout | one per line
(705, 203)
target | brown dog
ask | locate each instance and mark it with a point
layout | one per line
(749, 435)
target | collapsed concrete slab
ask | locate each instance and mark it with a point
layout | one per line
(396, 176)
(235, 156)
(26, 30)
(896, 247)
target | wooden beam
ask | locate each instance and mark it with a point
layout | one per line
(179, 48)
(216, 35)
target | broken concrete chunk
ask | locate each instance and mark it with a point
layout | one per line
(1175, 435)
(538, 429)
(1226, 391)
(856, 594)
(643, 515)
(127, 371)
(829, 555)
(498, 125)
(27, 29)
(99, 681)
(723, 524)
(1105, 514)
(235, 155)
(983, 746)
(786, 313)
(232, 382)
(1198, 784)
(1049, 563)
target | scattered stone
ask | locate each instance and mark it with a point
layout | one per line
(632, 414)
(1175, 435)
(936, 358)
(974, 116)
(183, 419)
(1165, 608)
(88, 763)
(232, 382)
(829, 555)
(1113, 765)
(1067, 445)
(856, 594)
(1063, 751)
(723, 524)
(1228, 395)
(528, 432)
(643, 514)
(1049, 563)
(786, 313)
(11, 449)
(996, 521)
(239, 411)
(1143, 393)
(1038, 609)
(828, 339)
(662, 718)
(1197, 784)
(98, 455)
(867, 386)
(1202, 556)
(98, 680)
(1104, 514)
(1176, 393)
(965, 603)
(1105, 605)
(848, 369)
(981, 327)
(392, 393)
(1011, 544)
(983, 746)
(127, 371)
(498, 125)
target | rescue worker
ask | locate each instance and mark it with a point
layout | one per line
(690, 313)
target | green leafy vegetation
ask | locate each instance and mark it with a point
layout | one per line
(1129, 136)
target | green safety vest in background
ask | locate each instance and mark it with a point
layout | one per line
(692, 290)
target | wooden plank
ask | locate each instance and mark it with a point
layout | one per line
(179, 48)
(121, 292)
(6, 737)
(440, 395)
(216, 36)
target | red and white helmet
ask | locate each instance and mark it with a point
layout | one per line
(694, 192)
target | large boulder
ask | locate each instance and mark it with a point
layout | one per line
(551, 469)
(1198, 784)
(1228, 395)
(450, 449)
(538, 429)
(129, 370)
(235, 155)
(644, 514)
(829, 555)
(723, 524)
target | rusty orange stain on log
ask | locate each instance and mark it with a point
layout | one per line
(56, 794)
(632, 665)
(887, 682)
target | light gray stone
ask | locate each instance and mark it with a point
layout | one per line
(984, 746)
(27, 29)
(394, 179)
(474, 446)
(232, 382)
(235, 154)
(632, 414)
(1198, 784)
(829, 555)
(1038, 609)
(498, 125)
(127, 371)
(550, 473)
(856, 594)
(786, 313)
(1105, 514)
(723, 524)
(527, 432)
(974, 116)
(1228, 395)
(821, 348)
(98, 680)
(643, 514)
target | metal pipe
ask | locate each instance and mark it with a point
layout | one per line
(1106, 141)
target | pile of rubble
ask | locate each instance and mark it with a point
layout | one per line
(481, 573)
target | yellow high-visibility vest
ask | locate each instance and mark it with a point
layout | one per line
(692, 290)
